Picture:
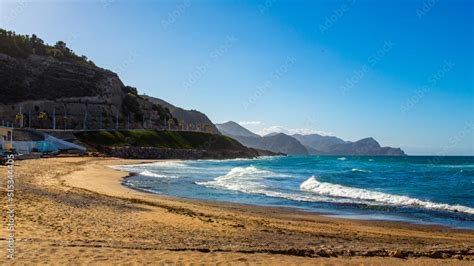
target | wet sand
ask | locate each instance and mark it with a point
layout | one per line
(75, 210)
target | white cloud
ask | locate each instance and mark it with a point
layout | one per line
(250, 123)
(273, 129)
(291, 131)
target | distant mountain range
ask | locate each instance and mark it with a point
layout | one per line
(233, 129)
(280, 143)
(328, 145)
(313, 144)
(318, 142)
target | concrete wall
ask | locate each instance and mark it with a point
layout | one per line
(5, 137)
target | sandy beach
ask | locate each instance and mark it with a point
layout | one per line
(75, 210)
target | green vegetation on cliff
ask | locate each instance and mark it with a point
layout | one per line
(37, 78)
(21, 46)
(160, 139)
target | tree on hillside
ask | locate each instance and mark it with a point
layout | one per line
(60, 45)
(21, 46)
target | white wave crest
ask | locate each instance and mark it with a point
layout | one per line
(151, 174)
(244, 179)
(140, 169)
(342, 158)
(335, 190)
(360, 170)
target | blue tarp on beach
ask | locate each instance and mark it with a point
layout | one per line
(46, 146)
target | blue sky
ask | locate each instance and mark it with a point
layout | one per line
(400, 71)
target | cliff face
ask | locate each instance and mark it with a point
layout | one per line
(47, 78)
(45, 84)
(79, 95)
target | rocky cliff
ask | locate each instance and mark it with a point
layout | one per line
(44, 86)
(70, 95)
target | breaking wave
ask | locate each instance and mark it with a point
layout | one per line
(140, 169)
(244, 179)
(247, 180)
(335, 190)
(151, 174)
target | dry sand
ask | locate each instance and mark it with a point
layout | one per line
(75, 211)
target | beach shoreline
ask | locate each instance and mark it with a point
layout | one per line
(300, 211)
(80, 206)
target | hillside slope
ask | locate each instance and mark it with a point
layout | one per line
(213, 145)
(281, 143)
(318, 142)
(187, 116)
(232, 128)
(278, 143)
(363, 147)
(330, 145)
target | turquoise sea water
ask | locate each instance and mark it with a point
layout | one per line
(429, 190)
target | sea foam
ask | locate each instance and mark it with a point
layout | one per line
(248, 180)
(244, 179)
(360, 170)
(151, 174)
(335, 190)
